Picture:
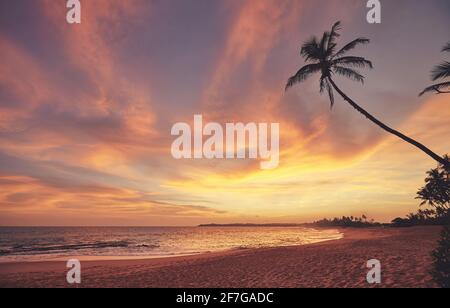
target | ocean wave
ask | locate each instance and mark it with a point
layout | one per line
(31, 243)
(38, 249)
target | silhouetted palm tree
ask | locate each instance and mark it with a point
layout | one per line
(328, 62)
(441, 71)
(436, 192)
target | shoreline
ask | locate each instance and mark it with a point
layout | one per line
(404, 253)
(89, 258)
(92, 258)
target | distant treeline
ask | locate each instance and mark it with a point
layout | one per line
(421, 218)
(351, 221)
(252, 225)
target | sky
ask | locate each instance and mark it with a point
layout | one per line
(86, 111)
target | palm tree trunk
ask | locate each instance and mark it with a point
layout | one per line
(433, 155)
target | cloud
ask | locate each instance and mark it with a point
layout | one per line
(86, 111)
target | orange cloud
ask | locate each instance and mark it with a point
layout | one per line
(84, 135)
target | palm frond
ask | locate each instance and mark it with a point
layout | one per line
(441, 71)
(438, 88)
(349, 73)
(325, 85)
(446, 47)
(334, 34)
(322, 83)
(330, 92)
(302, 74)
(351, 46)
(353, 62)
(311, 50)
(323, 45)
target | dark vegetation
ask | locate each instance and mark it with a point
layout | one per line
(435, 200)
(354, 222)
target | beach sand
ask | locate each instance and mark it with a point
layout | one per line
(404, 255)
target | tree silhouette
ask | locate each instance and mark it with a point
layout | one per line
(325, 59)
(441, 259)
(436, 191)
(442, 71)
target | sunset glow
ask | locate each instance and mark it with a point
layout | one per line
(86, 111)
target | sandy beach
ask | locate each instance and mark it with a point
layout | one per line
(404, 254)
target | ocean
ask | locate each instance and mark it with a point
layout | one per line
(19, 244)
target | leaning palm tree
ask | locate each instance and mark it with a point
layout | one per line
(441, 71)
(329, 61)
